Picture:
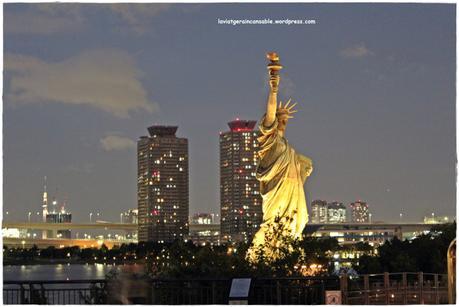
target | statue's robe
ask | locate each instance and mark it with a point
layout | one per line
(282, 173)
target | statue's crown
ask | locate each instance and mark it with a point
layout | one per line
(286, 109)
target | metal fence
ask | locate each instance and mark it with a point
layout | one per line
(395, 289)
(371, 289)
(291, 291)
(55, 292)
(286, 291)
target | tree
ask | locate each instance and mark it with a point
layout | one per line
(425, 253)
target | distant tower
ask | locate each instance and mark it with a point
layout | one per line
(45, 204)
(240, 199)
(162, 185)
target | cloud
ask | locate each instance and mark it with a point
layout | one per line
(44, 19)
(85, 168)
(138, 16)
(114, 142)
(52, 18)
(356, 51)
(106, 79)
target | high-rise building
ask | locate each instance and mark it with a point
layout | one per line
(240, 200)
(360, 213)
(162, 185)
(319, 211)
(336, 213)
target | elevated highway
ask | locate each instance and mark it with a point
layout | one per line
(71, 226)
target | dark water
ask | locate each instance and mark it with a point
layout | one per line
(57, 271)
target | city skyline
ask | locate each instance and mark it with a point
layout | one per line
(376, 99)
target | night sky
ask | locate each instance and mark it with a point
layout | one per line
(375, 86)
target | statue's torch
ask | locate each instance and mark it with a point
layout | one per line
(274, 66)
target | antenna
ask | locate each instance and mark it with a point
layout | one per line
(44, 206)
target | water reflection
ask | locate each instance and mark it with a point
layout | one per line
(56, 271)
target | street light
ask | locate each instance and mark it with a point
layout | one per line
(121, 218)
(370, 217)
(90, 217)
(401, 215)
(28, 216)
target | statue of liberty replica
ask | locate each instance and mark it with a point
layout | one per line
(282, 173)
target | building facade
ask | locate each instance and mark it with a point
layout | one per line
(240, 200)
(336, 213)
(58, 216)
(202, 218)
(360, 212)
(204, 234)
(438, 219)
(131, 216)
(162, 185)
(327, 213)
(319, 212)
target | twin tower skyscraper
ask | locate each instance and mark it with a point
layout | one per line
(163, 184)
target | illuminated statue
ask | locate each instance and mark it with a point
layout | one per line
(281, 172)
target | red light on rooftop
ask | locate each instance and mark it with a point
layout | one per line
(242, 125)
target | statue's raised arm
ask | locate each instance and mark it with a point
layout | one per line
(274, 79)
